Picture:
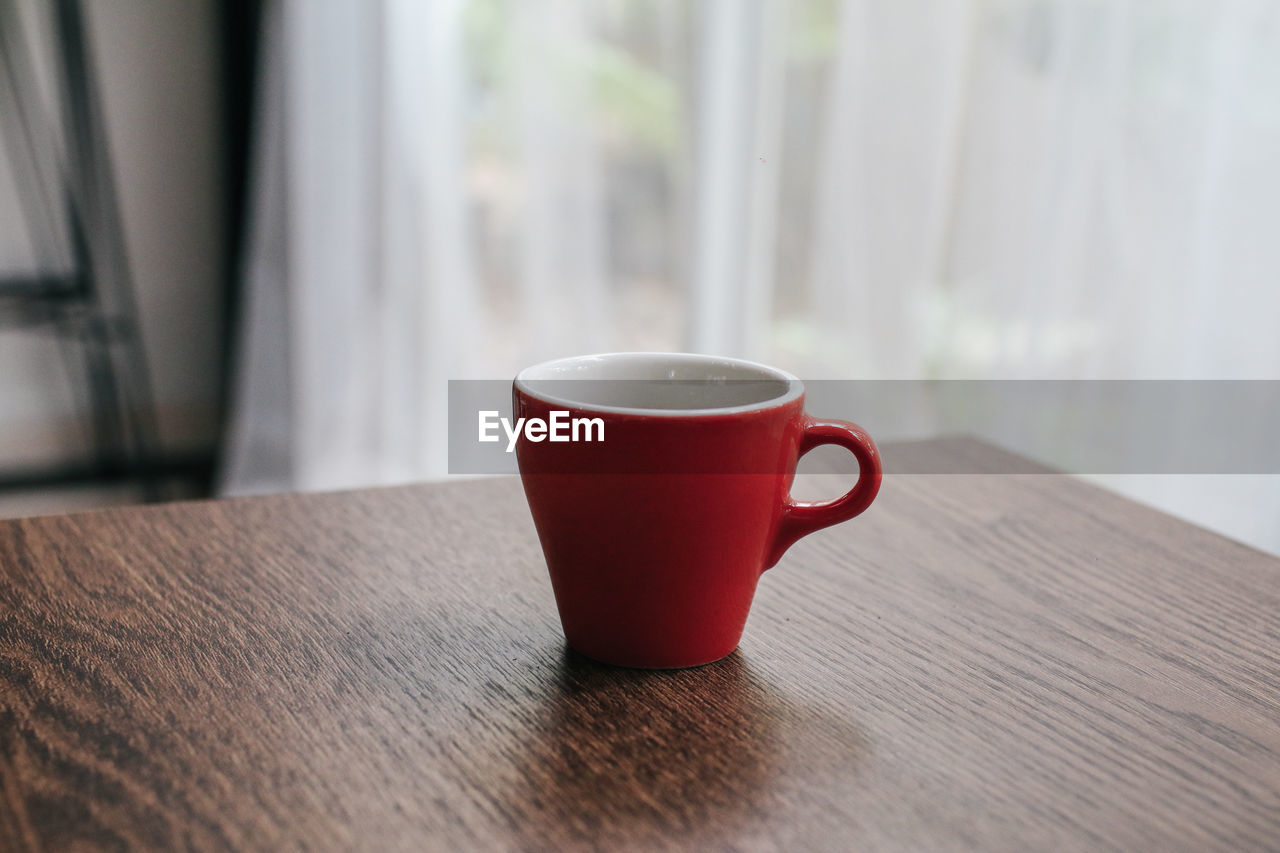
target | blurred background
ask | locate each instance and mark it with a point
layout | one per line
(244, 245)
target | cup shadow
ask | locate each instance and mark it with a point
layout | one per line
(644, 757)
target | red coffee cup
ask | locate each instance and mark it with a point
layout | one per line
(660, 487)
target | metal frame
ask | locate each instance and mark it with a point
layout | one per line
(83, 293)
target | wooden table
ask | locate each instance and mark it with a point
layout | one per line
(1012, 662)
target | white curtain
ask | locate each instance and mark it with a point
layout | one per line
(857, 189)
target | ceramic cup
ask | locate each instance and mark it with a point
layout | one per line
(658, 518)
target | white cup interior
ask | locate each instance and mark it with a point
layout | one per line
(676, 384)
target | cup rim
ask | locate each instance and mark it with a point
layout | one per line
(795, 388)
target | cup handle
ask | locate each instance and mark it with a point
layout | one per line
(800, 518)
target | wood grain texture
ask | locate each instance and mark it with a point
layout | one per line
(996, 662)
